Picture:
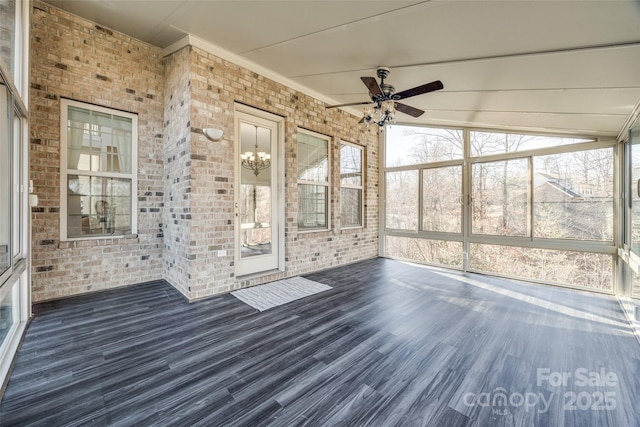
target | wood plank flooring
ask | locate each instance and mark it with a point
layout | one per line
(390, 344)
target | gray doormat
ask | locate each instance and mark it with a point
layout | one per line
(269, 295)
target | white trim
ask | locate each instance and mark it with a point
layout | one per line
(634, 117)
(26, 32)
(64, 172)
(276, 260)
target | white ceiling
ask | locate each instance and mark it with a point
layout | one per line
(568, 66)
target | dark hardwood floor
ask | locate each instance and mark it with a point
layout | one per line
(390, 344)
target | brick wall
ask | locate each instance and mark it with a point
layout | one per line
(215, 85)
(76, 59)
(185, 182)
(177, 176)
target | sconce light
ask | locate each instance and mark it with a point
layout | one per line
(212, 134)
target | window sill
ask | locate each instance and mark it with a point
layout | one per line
(84, 242)
(315, 230)
(356, 227)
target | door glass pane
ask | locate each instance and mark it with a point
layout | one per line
(441, 196)
(402, 200)
(5, 181)
(500, 194)
(573, 195)
(255, 191)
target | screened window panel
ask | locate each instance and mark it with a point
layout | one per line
(438, 252)
(17, 207)
(410, 145)
(500, 195)
(573, 195)
(5, 181)
(441, 196)
(402, 200)
(487, 143)
(8, 52)
(9, 309)
(581, 269)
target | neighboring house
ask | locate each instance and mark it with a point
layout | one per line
(568, 212)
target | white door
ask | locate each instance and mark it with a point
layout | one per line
(259, 201)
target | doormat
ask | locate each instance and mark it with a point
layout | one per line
(269, 295)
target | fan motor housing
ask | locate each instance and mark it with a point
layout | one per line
(388, 90)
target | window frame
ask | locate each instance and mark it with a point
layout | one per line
(20, 205)
(353, 187)
(65, 172)
(326, 183)
(606, 247)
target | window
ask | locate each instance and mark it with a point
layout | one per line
(439, 252)
(487, 143)
(14, 218)
(501, 198)
(313, 181)
(5, 181)
(416, 145)
(11, 27)
(530, 206)
(401, 211)
(351, 185)
(573, 195)
(8, 14)
(18, 187)
(573, 268)
(98, 180)
(442, 199)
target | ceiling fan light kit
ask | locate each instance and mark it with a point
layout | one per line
(382, 108)
(381, 115)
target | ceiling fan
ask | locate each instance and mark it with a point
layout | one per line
(384, 99)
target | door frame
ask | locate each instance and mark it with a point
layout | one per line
(250, 114)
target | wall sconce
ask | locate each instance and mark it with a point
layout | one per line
(212, 134)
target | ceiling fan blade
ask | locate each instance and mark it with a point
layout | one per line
(419, 90)
(350, 103)
(372, 85)
(407, 109)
